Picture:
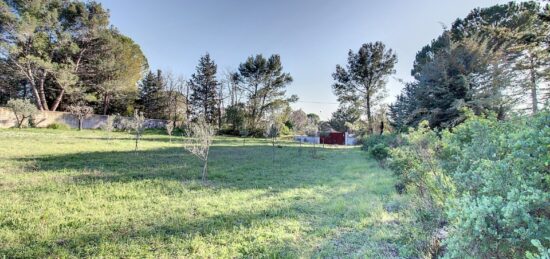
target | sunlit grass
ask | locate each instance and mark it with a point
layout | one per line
(70, 193)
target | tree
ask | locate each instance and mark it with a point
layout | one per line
(151, 94)
(204, 87)
(47, 40)
(236, 116)
(364, 76)
(520, 31)
(22, 109)
(200, 137)
(299, 120)
(272, 132)
(118, 68)
(137, 125)
(175, 98)
(81, 112)
(313, 119)
(264, 82)
(169, 129)
(109, 125)
(343, 117)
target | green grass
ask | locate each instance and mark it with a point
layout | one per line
(75, 194)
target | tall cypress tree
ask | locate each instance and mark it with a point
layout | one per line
(204, 86)
(151, 95)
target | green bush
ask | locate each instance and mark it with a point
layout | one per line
(379, 152)
(485, 185)
(58, 126)
(389, 140)
(501, 171)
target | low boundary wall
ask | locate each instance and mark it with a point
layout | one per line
(45, 118)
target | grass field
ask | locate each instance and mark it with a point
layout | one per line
(70, 193)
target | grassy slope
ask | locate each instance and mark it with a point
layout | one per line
(69, 193)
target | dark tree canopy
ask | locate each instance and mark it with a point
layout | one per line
(264, 82)
(204, 86)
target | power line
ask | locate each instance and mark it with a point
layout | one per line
(317, 102)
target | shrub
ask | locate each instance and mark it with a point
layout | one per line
(389, 140)
(485, 185)
(501, 171)
(380, 152)
(58, 126)
(22, 109)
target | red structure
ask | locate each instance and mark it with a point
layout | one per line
(334, 138)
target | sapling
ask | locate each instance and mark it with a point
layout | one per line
(244, 133)
(22, 109)
(109, 126)
(272, 132)
(169, 129)
(137, 125)
(81, 112)
(200, 137)
(312, 131)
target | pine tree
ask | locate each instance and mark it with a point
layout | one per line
(204, 87)
(365, 76)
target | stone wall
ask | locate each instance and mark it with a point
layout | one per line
(45, 118)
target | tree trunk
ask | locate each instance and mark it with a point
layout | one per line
(205, 169)
(42, 92)
(58, 100)
(36, 96)
(137, 140)
(80, 123)
(369, 118)
(106, 101)
(534, 98)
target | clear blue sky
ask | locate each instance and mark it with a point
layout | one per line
(312, 36)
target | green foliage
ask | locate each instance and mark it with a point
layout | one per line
(482, 62)
(388, 140)
(364, 78)
(285, 130)
(503, 188)
(204, 87)
(345, 116)
(58, 126)
(485, 184)
(380, 152)
(23, 110)
(264, 83)
(235, 115)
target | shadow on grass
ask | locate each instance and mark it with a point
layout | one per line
(240, 167)
(233, 167)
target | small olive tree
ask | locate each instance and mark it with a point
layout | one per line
(169, 129)
(312, 130)
(137, 125)
(200, 137)
(81, 112)
(23, 110)
(109, 125)
(272, 132)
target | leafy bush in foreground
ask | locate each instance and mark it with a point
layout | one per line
(501, 172)
(480, 191)
(379, 152)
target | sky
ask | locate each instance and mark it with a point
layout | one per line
(312, 36)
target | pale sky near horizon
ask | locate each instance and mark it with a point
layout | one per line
(312, 36)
